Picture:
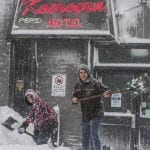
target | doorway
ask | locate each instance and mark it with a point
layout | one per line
(22, 73)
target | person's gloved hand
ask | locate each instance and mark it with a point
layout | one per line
(23, 127)
(21, 130)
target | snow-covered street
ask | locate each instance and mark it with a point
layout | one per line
(12, 140)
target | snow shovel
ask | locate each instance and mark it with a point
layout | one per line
(12, 124)
(111, 92)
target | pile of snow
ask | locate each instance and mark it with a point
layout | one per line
(12, 140)
(29, 147)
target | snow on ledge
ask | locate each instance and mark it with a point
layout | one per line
(129, 65)
(118, 114)
(60, 32)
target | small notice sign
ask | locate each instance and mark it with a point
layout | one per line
(58, 85)
(116, 100)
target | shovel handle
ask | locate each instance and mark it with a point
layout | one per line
(111, 92)
(26, 132)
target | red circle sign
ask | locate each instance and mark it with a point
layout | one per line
(59, 80)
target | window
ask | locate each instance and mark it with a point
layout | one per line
(123, 55)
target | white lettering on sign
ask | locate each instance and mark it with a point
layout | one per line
(58, 85)
(30, 20)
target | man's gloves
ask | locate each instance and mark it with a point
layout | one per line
(22, 128)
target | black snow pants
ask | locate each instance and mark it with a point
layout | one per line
(46, 131)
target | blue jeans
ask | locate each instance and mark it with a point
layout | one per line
(90, 134)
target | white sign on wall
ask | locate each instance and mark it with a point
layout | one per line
(58, 85)
(116, 100)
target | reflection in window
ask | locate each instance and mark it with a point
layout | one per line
(123, 55)
(139, 52)
(133, 19)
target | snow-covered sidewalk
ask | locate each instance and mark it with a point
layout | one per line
(12, 140)
(29, 147)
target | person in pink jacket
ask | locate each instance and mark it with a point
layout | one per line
(42, 116)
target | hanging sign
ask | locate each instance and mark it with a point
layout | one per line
(116, 100)
(61, 15)
(58, 85)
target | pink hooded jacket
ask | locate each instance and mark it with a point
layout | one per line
(40, 112)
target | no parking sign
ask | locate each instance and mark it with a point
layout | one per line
(58, 85)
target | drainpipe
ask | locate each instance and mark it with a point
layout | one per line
(37, 66)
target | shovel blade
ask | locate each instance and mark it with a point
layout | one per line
(10, 123)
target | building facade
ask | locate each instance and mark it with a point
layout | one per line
(44, 42)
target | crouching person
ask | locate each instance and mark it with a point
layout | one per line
(43, 117)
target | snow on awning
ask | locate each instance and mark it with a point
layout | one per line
(62, 18)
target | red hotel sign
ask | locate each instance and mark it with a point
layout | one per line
(61, 15)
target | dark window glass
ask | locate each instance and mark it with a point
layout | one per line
(122, 55)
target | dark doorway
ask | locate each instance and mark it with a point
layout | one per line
(22, 73)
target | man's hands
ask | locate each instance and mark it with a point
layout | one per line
(75, 100)
(107, 94)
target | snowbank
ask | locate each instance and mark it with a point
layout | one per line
(12, 140)
(29, 147)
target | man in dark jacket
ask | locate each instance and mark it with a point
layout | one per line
(92, 109)
(42, 116)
